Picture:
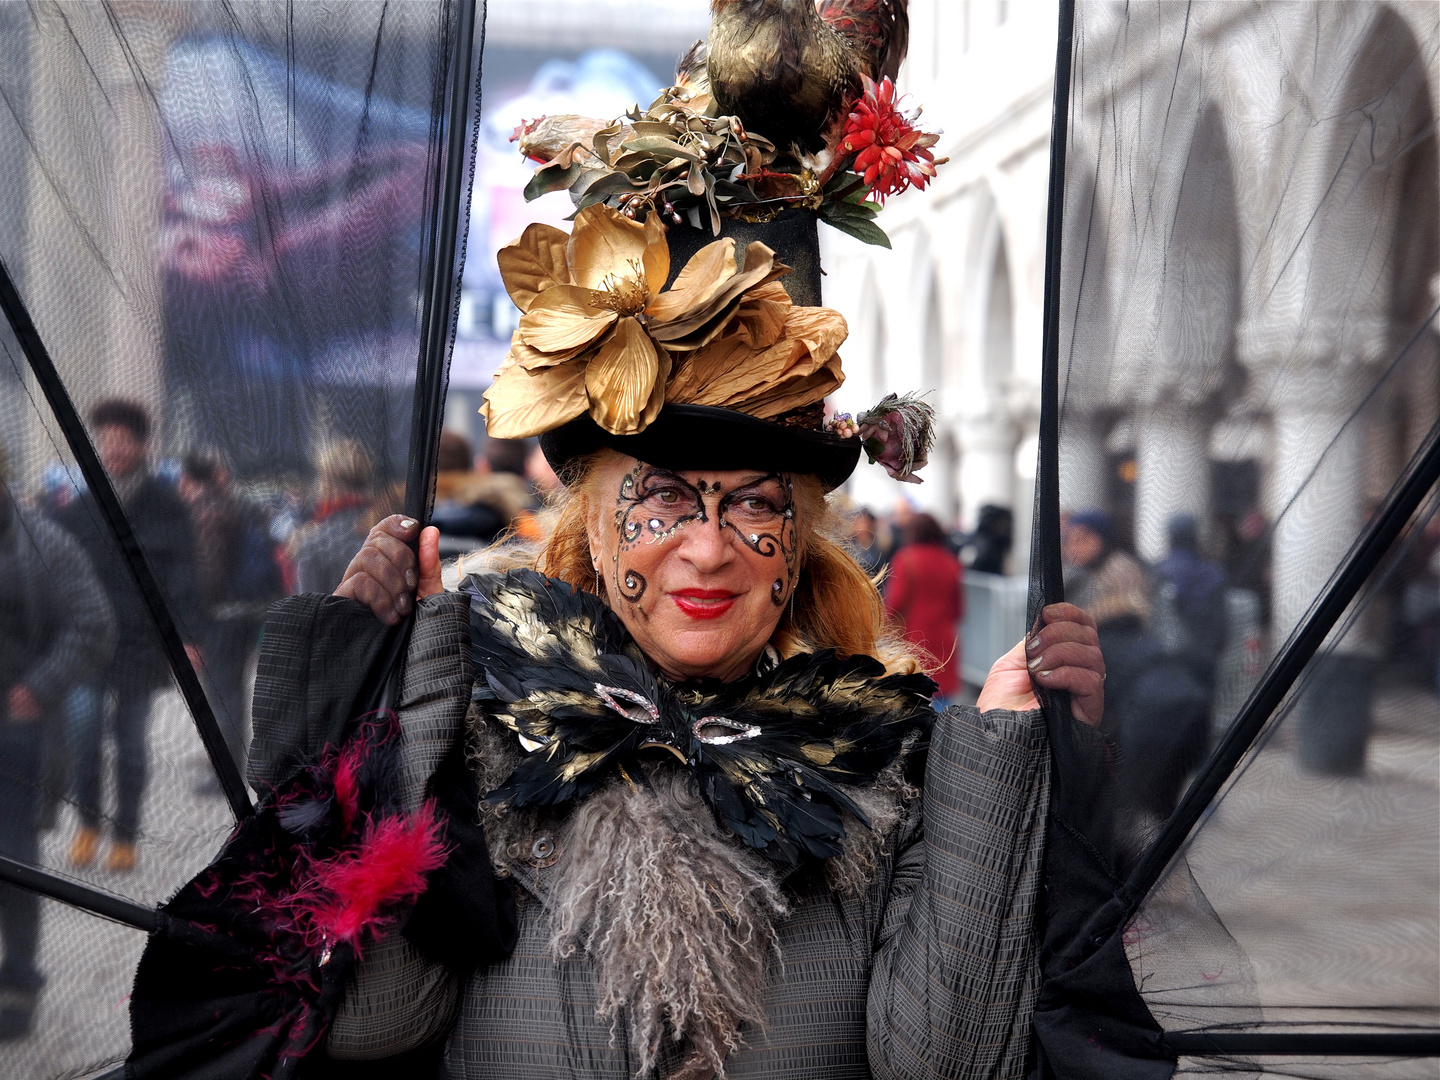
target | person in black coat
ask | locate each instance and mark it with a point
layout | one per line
(161, 522)
(52, 626)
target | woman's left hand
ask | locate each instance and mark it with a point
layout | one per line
(1064, 655)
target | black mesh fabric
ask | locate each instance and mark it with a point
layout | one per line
(236, 232)
(1243, 395)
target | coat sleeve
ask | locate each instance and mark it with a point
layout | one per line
(956, 977)
(84, 638)
(317, 657)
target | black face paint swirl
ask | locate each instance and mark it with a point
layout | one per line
(762, 514)
(652, 506)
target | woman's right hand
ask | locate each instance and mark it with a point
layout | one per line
(385, 575)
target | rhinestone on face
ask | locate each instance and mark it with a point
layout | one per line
(655, 524)
(754, 538)
(630, 581)
(777, 586)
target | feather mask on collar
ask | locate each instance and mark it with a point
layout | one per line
(772, 754)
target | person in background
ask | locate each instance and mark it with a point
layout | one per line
(321, 549)
(923, 590)
(161, 522)
(1196, 588)
(991, 540)
(1155, 707)
(230, 630)
(56, 625)
(865, 541)
(474, 507)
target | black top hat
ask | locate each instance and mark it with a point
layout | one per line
(706, 437)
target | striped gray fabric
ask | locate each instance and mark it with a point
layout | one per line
(931, 973)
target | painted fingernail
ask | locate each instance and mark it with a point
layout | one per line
(407, 524)
(1035, 663)
(402, 605)
(1032, 645)
(1043, 674)
(410, 579)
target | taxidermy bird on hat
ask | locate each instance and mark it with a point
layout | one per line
(790, 69)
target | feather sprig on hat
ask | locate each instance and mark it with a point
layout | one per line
(600, 334)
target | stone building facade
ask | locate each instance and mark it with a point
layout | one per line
(1257, 265)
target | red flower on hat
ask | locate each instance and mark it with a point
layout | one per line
(891, 153)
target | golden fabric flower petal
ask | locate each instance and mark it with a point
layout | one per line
(730, 374)
(521, 403)
(706, 318)
(621, 378)
(607, 244)
(707, 270)
(534, 263)
(564, 318)
(657, 254)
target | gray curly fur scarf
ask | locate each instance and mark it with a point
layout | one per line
(678, 918)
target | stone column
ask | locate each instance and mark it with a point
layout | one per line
(987, 463)
(1173, 473)
(1316, 503)
(1082, 462)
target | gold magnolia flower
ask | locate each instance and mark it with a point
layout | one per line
(599, 332)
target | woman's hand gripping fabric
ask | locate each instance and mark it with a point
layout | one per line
(385, 575)
(1063, 655)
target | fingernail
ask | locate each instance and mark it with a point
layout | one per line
(410, 579)
(1035, 663)
(408, 523)
(1043, 674)
(1032, 644)
(402, 605)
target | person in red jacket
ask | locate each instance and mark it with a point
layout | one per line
(923, 591)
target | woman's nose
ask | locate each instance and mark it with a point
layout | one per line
(705, 546)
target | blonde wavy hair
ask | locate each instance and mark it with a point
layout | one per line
(836, 606)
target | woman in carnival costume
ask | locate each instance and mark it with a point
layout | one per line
(689, 811)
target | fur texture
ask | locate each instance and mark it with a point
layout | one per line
(678, 917)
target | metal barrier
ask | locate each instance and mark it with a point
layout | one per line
(995, 608)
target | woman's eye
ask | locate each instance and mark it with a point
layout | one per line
(670, 497)
(756, 505)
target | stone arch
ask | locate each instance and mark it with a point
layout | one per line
(1195, 343)
(985, 430)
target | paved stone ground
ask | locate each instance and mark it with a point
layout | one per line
(82, 1025)
(1325, 892)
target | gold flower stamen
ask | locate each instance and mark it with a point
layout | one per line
(625, 295)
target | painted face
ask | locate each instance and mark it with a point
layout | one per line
(699, 565)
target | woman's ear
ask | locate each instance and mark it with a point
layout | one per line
(593, 534)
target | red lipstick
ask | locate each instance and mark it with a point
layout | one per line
(703, 603)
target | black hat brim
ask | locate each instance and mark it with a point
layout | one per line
(687, 437)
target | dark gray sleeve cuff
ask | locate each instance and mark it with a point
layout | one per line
(319, 668)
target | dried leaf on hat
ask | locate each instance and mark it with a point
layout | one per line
(520, 403)
(729, 374)
(796, 392)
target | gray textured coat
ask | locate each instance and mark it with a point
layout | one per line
(929, 972)
(68, 621)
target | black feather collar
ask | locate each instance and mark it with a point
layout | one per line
(772, 753)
